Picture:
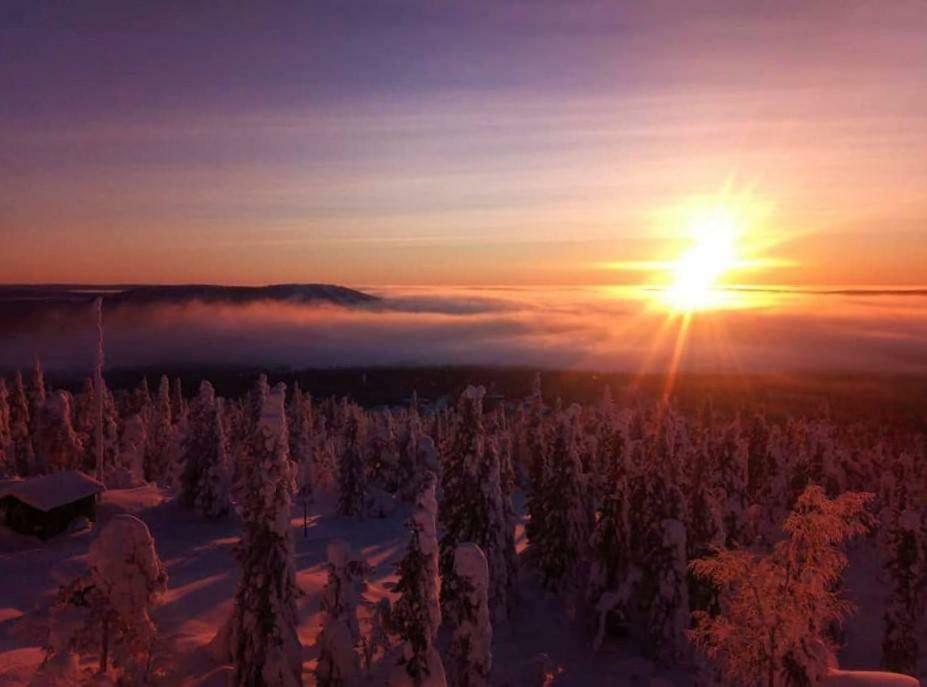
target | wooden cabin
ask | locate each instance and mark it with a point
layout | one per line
(47, 505)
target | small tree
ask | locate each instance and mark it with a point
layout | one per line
(776, 608)
(109, 609)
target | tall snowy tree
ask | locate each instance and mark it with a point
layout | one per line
(20, 437)
(417, 613)
(178, 403)
(776, 608)
(205, 483)
(37, 392)
(6, 440)
(568, 516)
(160, 453)
(352, 483)
(907, 572)
(610, 540)
(86, 407)
(57, 446)
(338, 664)
(470, 651)
(535, 460)
(668, 616)
(463, 514)
(302, 446)
(498, 542)
(130, 460)
(408, 470)
(262, 640)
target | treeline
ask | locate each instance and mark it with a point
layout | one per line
(713, 539)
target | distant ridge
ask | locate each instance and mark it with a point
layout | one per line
(51, 294)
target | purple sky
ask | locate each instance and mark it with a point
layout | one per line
(474, 142)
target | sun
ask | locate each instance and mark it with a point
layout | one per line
(698, 271)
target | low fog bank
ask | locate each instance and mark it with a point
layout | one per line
(568, 328)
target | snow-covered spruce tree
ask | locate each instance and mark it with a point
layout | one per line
(85, 424)
(499, 538)
(37, 392)
(299, 420)
(668, 612)
(130, 459)
(384, 453)
(463, 512)
(352, 475)
(160, 451)
(179, 406)
(732, 459)
(776, 608)
(140, 400)
(408, 471)
(907, 571)
(610, 540)
(470, 651)
(261, 634)
(534, 459)
(6, 450)
(127, 578)
(205, 483)
(501, 440)
(338, 664)
(417, 613)
(23, 456)
(705, 533)
(302, 447)
(57, 446)
(567, 507)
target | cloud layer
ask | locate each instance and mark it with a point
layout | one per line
(581, 328)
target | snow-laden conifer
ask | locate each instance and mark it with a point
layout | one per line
(262, 640)
(338, 664)
(470, 651)
(907, 578)
(416, 615)
(352, 474)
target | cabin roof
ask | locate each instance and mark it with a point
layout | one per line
(52, 491)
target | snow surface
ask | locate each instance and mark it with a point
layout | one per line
(540, 638)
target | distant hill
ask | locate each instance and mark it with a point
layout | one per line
(28, 309)
(21, 297)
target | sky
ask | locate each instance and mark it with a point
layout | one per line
(459, 143)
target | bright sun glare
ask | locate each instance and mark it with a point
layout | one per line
(697, 272)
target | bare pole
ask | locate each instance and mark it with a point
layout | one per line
(98, 384)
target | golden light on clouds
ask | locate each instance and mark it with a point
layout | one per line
(721, 245)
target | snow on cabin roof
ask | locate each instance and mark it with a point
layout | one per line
(52, 491)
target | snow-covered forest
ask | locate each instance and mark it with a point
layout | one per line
(277, 539)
